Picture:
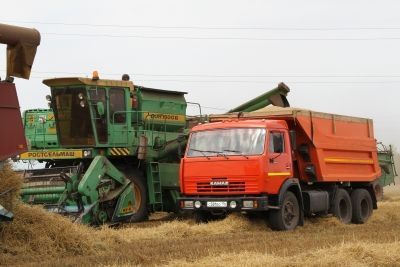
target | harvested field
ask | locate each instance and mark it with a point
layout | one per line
(37, 237)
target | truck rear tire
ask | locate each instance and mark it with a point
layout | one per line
(342, 207)
(288, 216)
(362, 206)
(140, 208)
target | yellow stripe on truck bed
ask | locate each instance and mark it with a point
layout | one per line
(53, 154)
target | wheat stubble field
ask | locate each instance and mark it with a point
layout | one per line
(40, 238)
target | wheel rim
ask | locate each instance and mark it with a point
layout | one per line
(138, 197)
(290, 214)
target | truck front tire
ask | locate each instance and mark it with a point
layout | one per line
(362, 206)
(342, 207)
(288, 216)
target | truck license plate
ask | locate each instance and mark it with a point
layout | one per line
(217, 204)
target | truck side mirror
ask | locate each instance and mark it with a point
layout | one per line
(292, 134)
(100, 108)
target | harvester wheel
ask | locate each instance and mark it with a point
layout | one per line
(288, 216)
(362, 206)
(342, 207)
(140, 209)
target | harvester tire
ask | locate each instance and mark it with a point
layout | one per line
(342, 207)
(288, 216)
(140, 190)
(362, 206)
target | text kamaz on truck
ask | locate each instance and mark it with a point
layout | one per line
(284, 162)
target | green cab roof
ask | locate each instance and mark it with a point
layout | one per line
(103, 82)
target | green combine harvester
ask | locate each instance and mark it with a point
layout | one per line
(116, 153)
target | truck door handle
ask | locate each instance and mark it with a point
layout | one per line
(288, 167)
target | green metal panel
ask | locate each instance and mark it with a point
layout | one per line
(385, 157)
(169, 175)
(124, 208)
(164, 110)
(40, 128)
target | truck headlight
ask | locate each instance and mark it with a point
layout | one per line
(188, 204)
(248, 204)
(233, 204)
(197, 204)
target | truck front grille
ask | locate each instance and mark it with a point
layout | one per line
(206, 187)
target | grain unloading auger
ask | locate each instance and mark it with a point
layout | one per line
(105, 127)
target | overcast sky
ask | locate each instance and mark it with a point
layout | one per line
(336, 56)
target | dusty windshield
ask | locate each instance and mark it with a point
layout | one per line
(71, 109)
(227, 142)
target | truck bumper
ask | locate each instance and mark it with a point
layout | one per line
(225, 203)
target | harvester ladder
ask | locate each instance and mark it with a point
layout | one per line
(157, 192)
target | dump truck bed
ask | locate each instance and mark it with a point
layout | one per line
(329, 147)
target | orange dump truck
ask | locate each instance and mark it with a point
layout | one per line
(286, 163)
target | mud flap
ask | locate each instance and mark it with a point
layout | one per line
(125, 205)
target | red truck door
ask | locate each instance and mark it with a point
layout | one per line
(279, 156)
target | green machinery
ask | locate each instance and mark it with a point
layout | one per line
(118, 152)
(40, 128)
(389, 173)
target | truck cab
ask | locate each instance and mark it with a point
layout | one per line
(241, 158)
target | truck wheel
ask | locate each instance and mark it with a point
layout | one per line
(288, 216)
(141, 212)
(342, 207)
(362, 206)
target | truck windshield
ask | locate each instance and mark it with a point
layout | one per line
(71, 110)
(236, 141)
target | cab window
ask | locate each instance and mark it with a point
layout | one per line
(98, 95)
(276, 142)
(117, 105)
